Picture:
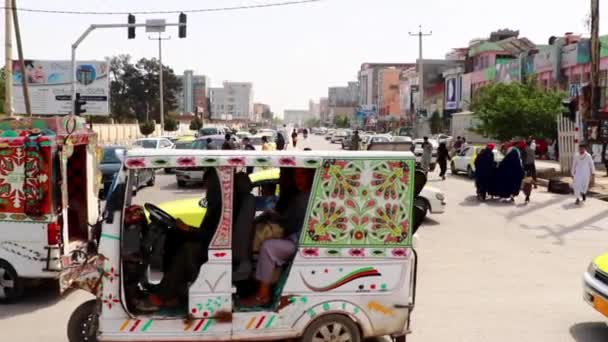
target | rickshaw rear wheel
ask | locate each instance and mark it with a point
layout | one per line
(11, 286)
(332, 328)
(401, 338)
(84, 323)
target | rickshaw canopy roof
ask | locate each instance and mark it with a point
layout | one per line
(147, 158)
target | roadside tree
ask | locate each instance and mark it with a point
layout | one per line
(506, 111)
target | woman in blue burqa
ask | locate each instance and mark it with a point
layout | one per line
(485, 168)
(509, 175)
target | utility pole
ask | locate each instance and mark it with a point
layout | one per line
(420, 36)
(26, 94)
(8, 58)
(160, 79)
(595, 58)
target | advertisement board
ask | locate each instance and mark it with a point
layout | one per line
(50, 89)
(451, 94)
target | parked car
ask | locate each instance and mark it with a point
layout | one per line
(329, 134)
(212, 130)
(243, 134)
(182, 143)
(418, 152)
(110, 164)
(465, 160)
(339, 135)
(153, 143)
(595, 284)
(431, 200)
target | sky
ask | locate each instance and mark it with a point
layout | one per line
(292, 54)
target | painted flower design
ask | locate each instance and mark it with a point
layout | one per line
(236, 161)
(186, 161)
(342, 179)
(357, 252)
(389, 179)
(328, 222)
(399, 252)
(310, 252)
(111, 300)
(288, 161)
(136, 163)
(390, 224)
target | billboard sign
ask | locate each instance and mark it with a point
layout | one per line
(451, 94)
(50, 89)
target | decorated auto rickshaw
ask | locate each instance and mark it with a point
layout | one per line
(352, 274)
(48, 187)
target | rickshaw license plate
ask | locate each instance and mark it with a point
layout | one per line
(601, 305)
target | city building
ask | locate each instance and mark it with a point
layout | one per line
(194, 97)
(324, 110)
(232, 102)
(342, 101)
(262, 113)
(369, 86)
(296, 117)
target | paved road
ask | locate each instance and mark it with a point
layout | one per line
(488, 272)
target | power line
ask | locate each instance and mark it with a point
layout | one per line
(199, 10)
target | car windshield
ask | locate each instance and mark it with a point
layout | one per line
(208, 131)
(147, 143)
(183, 145)
(110, 157)
(202, 144)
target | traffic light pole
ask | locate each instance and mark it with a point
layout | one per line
(82, 38)
(160, 77)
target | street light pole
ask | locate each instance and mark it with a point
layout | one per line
(160, 79)
(420, 36)
(595, 57)
(8, 58)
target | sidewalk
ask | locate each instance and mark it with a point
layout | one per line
(550, 169)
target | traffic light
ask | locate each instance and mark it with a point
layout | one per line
(131, 30)
(182, 25)
(570, 106)
(78, 103)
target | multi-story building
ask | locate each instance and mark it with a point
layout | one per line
(194, 94)
(369, 86)
(324, 110)
(296, 117)
(234, 101)
(261, 113)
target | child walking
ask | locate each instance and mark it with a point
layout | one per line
(528, 184)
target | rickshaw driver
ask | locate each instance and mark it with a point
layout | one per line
(187, 252)
(277, 252)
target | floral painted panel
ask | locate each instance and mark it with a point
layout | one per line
(362, 203)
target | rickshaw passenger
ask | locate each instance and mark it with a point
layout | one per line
(242, 225)
(277, 252)
(188, 252)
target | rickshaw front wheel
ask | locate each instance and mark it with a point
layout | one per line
(84, 322)
(332, 328)
(11, 286)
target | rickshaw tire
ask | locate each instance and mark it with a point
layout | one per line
(18, 284)
(78, 318)
(345, 321)
(152, 180)
(401, 338)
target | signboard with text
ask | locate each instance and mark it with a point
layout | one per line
(50, 89)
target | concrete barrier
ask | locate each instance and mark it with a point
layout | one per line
(125, 134)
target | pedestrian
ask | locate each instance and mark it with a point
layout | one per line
(485, 169)
(463, 144)
(280, 141)
(228, 145)
(265, 145)
(527, 186)
(294, 137)
(305, 133)
(443, 156)
(285, 132)
(355, 141)
(427, 154)
(248, 147)
(582, 173)
(530, 161)
(457, 145)
(509, 176)
(210, 144)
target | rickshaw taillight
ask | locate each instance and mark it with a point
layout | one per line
(53, 233)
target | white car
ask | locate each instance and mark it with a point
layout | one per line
(153, 143)
(465, 160)
(432, 200)
(339, 136)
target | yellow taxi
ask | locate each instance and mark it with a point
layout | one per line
(595, 284)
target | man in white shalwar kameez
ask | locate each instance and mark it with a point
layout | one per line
(582, 171)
